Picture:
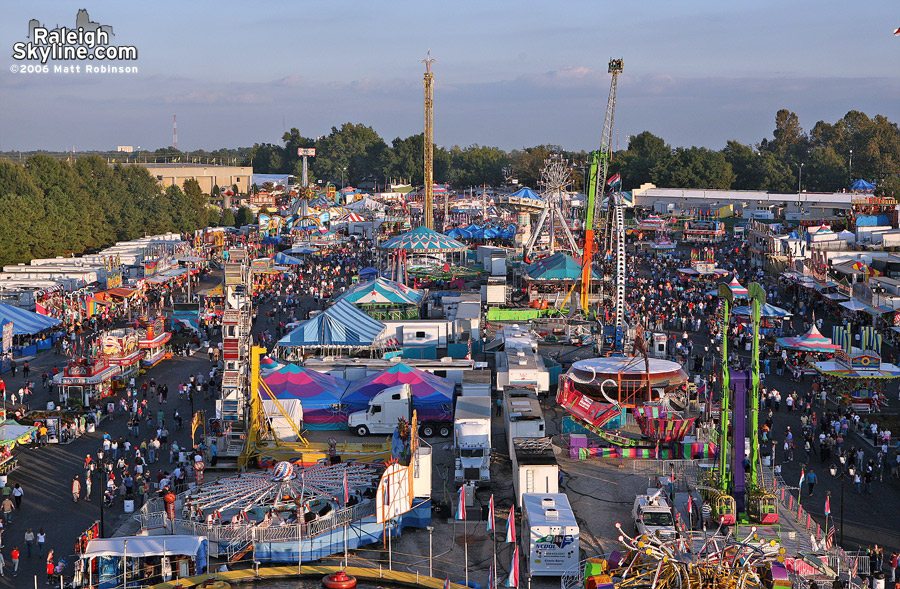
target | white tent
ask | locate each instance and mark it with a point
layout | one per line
(854, 305)
(141, 546)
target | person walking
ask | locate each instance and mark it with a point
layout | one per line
(14, 555)
(41, 539)
(7, 508)
(811, 480)
(29, 541)
(76, 489)
(17, 494)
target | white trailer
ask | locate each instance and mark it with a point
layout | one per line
(534, 467)
(472, 440)
(522, 417)
(549, 534)
(476, 383)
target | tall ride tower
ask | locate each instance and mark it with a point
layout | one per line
(429, 142)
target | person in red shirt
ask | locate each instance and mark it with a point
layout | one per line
(50, 570)
(15, 560)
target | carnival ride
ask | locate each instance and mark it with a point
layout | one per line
(555, 178)
(692, 560)
(612, 231)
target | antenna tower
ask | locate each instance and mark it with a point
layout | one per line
(175, 131)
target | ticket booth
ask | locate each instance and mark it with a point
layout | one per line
(86, 380)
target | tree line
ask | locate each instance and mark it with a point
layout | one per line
(51, 207)
(830, 155)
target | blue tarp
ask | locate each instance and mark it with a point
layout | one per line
(25, 322)
(341, 325)
(282, 259)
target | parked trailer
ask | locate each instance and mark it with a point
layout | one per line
(472, 440)
(522, 417)
(534, 467)
(549, 534)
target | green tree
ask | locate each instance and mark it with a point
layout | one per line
(757, 170)
(645, 153)
(354, 149)
(477, 165)
(696, 167)
(244, 216)
(227, 218)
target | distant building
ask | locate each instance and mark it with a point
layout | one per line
(206, 175)
(125, 148)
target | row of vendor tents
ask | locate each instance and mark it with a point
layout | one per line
(486, 231)
(323, 402)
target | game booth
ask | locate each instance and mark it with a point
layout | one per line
(152, 340)
(86, 380)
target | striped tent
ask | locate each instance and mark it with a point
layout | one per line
(767, 310)
(25, 322)
(737, 289)
(340, 326)
(423, 240)
(811, 341)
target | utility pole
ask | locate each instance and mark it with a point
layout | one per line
(429, 145)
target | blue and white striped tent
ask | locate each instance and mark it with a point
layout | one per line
(25, 322)
(342, 325)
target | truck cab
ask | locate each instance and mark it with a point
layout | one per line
(652, 515)
(384, 411)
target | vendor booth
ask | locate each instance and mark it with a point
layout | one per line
(86, 380)
(141, 560)
(120, 348)
(152, 339)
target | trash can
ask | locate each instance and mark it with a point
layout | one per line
(878, 580)
(128, 505)
(90, 427)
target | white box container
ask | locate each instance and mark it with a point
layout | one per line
(549, 534)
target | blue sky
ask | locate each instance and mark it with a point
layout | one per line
(509, 73)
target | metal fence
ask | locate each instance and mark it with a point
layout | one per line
(236, 532)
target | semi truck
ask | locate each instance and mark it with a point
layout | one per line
(387, 407)
(472, 440)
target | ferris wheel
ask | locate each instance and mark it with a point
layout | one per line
(555, 180)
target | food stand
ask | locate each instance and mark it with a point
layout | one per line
(87, 380)
(152, 340)
(120, 348)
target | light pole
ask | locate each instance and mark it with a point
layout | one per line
(850, 472)
(342, 177)
(851, 166)
(799, 182)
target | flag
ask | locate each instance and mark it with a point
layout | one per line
(897, 32)
(346, 490)
(40, 309)
(802, 478)
(511, 525)
(447, 583)
(829, 538)
(701, 390)
(614, 179)
(461, 507)
(491, 581)
(490, 520)
(690, 506)
(827, 506)
(513, 579)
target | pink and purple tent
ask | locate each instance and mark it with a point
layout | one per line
(317, 394)
(737, 289)
(811, 341)
(432, 395)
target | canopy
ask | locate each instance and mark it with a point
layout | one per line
(25, 322)
(558, 266)
(862, 186)
(811, 341)
(525, 193)
(767, 310)
(303, 250)
(341, 325)
(382, 291)
(854, 305)
(282, 259)
(307, 395)
(432, 395)
(368, 273)
(142, 546)
(739, 291)
(350, 217)
(11, 432)
(832, 368)
(423, 240)
(366, 202)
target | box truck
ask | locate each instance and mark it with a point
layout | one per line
(472, 440)
(549, 534)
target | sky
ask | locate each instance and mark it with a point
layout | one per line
(509, 73)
